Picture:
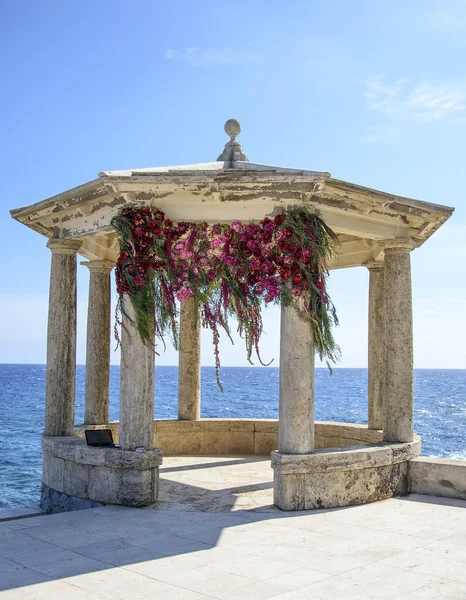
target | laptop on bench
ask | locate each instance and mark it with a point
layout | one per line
(100, 438)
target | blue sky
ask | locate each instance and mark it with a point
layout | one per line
(373, 92)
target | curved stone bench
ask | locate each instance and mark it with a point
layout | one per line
(343, 476)
(210, 437)
(78, 476)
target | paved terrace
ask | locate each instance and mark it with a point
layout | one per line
(215, 535)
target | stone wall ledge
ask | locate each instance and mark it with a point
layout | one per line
(438, 477)
(75, 449)
(346, 459)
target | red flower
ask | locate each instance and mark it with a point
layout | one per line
(295, 268)
(293, 248)
(297, 278)
(266, 238)
(278, 219)
(282, 245)
(168, 223)
(288, 231)
(146, 212)
(211, 274)
(285, 273)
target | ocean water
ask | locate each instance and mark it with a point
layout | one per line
(440, 410)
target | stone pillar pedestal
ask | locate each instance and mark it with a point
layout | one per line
(136, 386)
(61, 339)
(376, 346)
(98, 343)
(189, 365)
(399, 376)
(296, 419)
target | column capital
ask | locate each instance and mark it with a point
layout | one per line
(100, 266)
(374, 264)
(61, 246)
(406, 244)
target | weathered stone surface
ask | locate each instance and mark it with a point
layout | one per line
(240, 442)
(61, 339)
(75, 449)
(376, 345)
(189, 361)
(296, 422)
(438, 477)
(214, 435)
(53, 472)
(241, 425)
(98, 343)
(191, 443)
(266, 426)
(398, 392)
(108, 475)
(303, 491)
(341, 477)
(341, 459)
(265, 443)
(52, 501)
(136, 386)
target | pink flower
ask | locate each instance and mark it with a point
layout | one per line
(255, 264)
(139, 232)
(237, 226)
(211, 275)
(216, 243)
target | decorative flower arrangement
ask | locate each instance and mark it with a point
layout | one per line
(229, 269)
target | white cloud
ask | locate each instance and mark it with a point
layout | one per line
(424, 101)
(198, 57)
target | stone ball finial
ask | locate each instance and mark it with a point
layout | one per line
(232, 128)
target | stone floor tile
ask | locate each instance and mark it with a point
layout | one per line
(116, 583)
(20, 578)
(50, 590)
(66, 536)
(443, 589)
(261, 590)
(443, 568)
(298, 578)
(7, 566)
(392, 540)
(319, 560)
(255, 567)
(69, 567)
(216, 585)
(366, 583)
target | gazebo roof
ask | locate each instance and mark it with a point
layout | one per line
(230, 189)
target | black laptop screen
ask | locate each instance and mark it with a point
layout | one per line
(99, 437)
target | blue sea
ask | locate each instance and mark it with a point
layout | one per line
(440, 410)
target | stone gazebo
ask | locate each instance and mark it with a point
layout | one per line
(316, 464)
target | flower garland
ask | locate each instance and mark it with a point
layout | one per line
(229, 269)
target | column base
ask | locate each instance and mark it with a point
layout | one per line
(342, 477)
(75, 474)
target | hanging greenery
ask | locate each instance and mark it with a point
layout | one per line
(230, 270)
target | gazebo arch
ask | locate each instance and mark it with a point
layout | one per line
(315, 465)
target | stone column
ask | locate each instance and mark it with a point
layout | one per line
(61, 339)
(98, 343)
(399, 376)
(136, 386)
(376, 346)
(296, 419)
(189, 362)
